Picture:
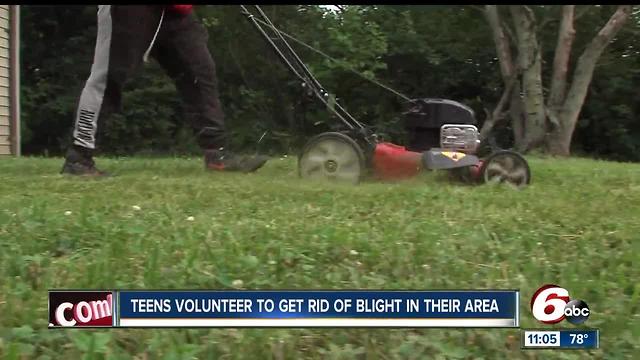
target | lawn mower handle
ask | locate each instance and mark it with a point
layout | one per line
(293, 62)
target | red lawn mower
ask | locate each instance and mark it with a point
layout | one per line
(442, 134)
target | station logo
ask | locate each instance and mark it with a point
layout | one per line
(551, 304)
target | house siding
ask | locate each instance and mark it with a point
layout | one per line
(6, 147)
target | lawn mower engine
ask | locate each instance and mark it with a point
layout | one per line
(442, 134)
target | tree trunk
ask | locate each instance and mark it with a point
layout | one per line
(530, 63)
(559, 139)
(509, 75)
(569, 113)
(503, 47)
(516, 112)
(566, 35)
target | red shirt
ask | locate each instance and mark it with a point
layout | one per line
(182, 9)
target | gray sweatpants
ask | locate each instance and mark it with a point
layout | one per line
(125, 33)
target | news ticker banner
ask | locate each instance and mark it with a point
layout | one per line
(309, 308)
(561, 339)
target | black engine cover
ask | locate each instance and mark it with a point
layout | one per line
(424, 117)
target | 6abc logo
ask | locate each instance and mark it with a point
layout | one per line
(551, 304)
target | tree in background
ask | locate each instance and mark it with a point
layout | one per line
(545, 118)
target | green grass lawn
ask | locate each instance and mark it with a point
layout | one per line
(577, 225)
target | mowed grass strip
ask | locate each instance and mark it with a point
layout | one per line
(166, 223)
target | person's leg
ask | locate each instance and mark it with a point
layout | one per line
(182, 50)
(124, 33)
